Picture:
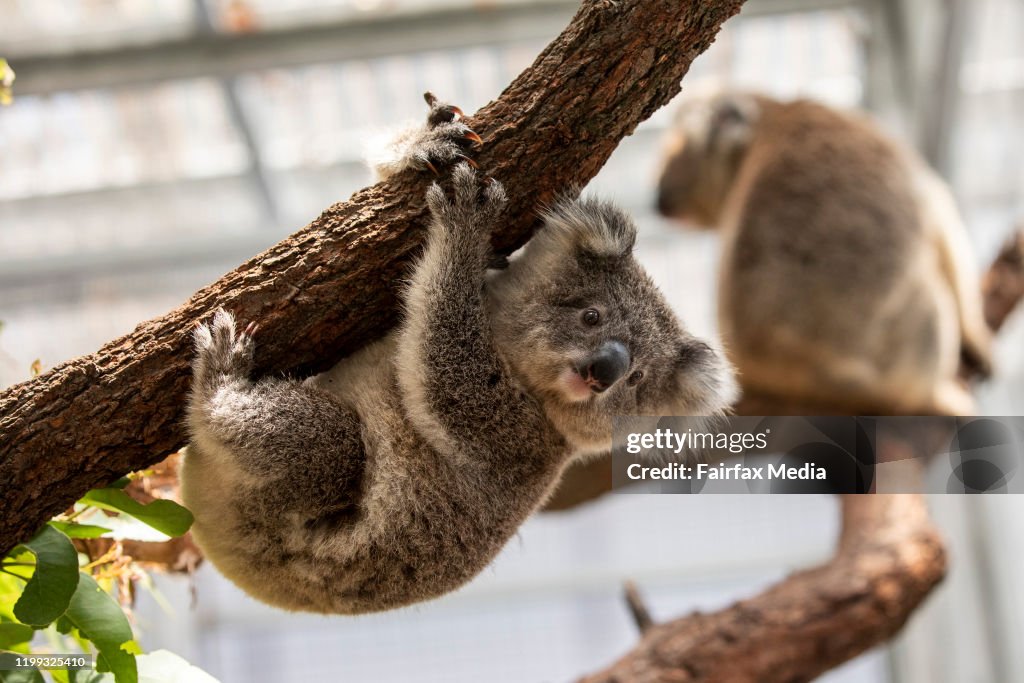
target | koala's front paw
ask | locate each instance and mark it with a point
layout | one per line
(469, 209)
(220, 350)
(445, 139)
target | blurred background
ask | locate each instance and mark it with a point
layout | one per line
(155, 144)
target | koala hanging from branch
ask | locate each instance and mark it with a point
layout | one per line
(399, 474)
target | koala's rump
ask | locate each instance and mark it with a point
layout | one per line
(828, 277)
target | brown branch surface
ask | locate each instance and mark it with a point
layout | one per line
(331, 287)
(1003, 284)
(889, 559)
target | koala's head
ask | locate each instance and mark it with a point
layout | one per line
(588, 333)
(704, 150)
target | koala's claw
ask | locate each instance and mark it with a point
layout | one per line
(441, 112)
(445, 139)
(467, 160)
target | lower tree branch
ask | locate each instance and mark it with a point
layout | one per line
(332, 287)
(889, 559)
(637, 607)
(1003, 285)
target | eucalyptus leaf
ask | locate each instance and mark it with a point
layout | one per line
(10, 590)
(99, 618)
(13, 634)
(63, 625)
(49, 590)
(76, 530)
(163, 515)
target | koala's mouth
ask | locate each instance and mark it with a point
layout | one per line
(574, 386)
(579, 387)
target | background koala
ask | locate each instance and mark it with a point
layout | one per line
(846, 276)
(398, 475)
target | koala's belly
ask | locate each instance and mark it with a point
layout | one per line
(414, 539)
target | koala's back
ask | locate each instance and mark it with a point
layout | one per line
(832, 281)
(398, 537)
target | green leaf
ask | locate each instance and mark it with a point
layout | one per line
(54, 580)
(119, 483)
(99, 618)
(162, 666)
(12, 634)
(163, 515)
(63, 625)
(76, 530)
(10, 591)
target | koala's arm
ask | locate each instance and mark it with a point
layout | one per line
(456, 387)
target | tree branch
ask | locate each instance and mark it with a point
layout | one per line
(332, 287)
(889, 559)
(1003, 285)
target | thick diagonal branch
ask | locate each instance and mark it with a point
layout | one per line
(331, 287)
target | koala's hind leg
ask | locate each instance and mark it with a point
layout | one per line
(297, 442)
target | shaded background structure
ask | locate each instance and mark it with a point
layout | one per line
(155, 144)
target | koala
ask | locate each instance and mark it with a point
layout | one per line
(846, 276)
(397, 476)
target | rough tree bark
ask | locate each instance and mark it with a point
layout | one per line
(889, 559)
(331, 287)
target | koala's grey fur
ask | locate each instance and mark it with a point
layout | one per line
(398, 475)
(846, 274)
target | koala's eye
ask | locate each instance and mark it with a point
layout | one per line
(591, 316)
(635, 377)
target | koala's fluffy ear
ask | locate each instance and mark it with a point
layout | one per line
(702, 374)
(588, 227)
(731, 122)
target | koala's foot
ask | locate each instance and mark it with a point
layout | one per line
(446, 138)
(469, 209)
(442, 141)
(220, 351)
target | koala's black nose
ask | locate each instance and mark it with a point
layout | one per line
(606, 366)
